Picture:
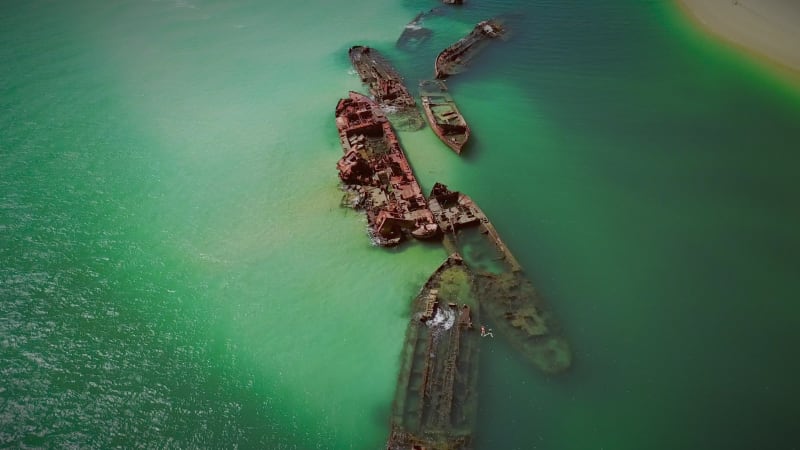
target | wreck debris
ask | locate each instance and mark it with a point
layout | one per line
(454, 58)
(443, 115)
(507, 297)
(435, 403)
(386, 86)
(414, 34)
(377, 174)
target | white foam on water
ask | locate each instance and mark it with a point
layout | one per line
(444, 319)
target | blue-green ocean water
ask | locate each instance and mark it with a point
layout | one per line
(175, 270)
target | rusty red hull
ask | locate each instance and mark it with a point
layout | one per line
(375, 172)
(454, 58)
(386, 86)
(443, 115)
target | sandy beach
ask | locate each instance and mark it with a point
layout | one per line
(768, 27)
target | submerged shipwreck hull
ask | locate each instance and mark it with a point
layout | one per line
(436, 402)
(386, 86)
(443, 114)
(414, 34)
(507, 297)
(377, 176)
(413, 37)
(454, 58)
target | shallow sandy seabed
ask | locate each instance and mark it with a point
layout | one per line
(768, 27)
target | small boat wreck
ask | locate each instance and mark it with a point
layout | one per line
(376, 175)
(386, 86)
(414, 34)
(507, 297)
(443, 115)
(413, 37)
(454, 58)
(435, 404)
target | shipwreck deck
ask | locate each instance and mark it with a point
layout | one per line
(435, 403)
(507, 297)
(443, 115)
(386, 86)
(454, 58)
(377, 176)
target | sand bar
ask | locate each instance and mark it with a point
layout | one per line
(768, 27)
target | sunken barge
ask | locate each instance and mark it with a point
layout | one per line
(443, 115)
(376, 175)
(507, 298)
(454, 58)
(436, 403)
(386, 86)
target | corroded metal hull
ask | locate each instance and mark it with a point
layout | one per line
(507, 298)
(377, 176)
(443, 115)
(454, 58)
(386, 86)
(436, 400)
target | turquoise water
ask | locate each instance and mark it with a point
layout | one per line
(175, 270)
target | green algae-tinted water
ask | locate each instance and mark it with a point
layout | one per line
(175, 270)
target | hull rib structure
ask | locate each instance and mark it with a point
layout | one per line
(435, 403)
(507, 298)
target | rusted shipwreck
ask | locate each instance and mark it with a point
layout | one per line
(435, 403)
(454, 58)
(507, 297)
(376, 175)
(443, 115)
(386, 86)
(414, 34)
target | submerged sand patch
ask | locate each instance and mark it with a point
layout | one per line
(768, 27)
